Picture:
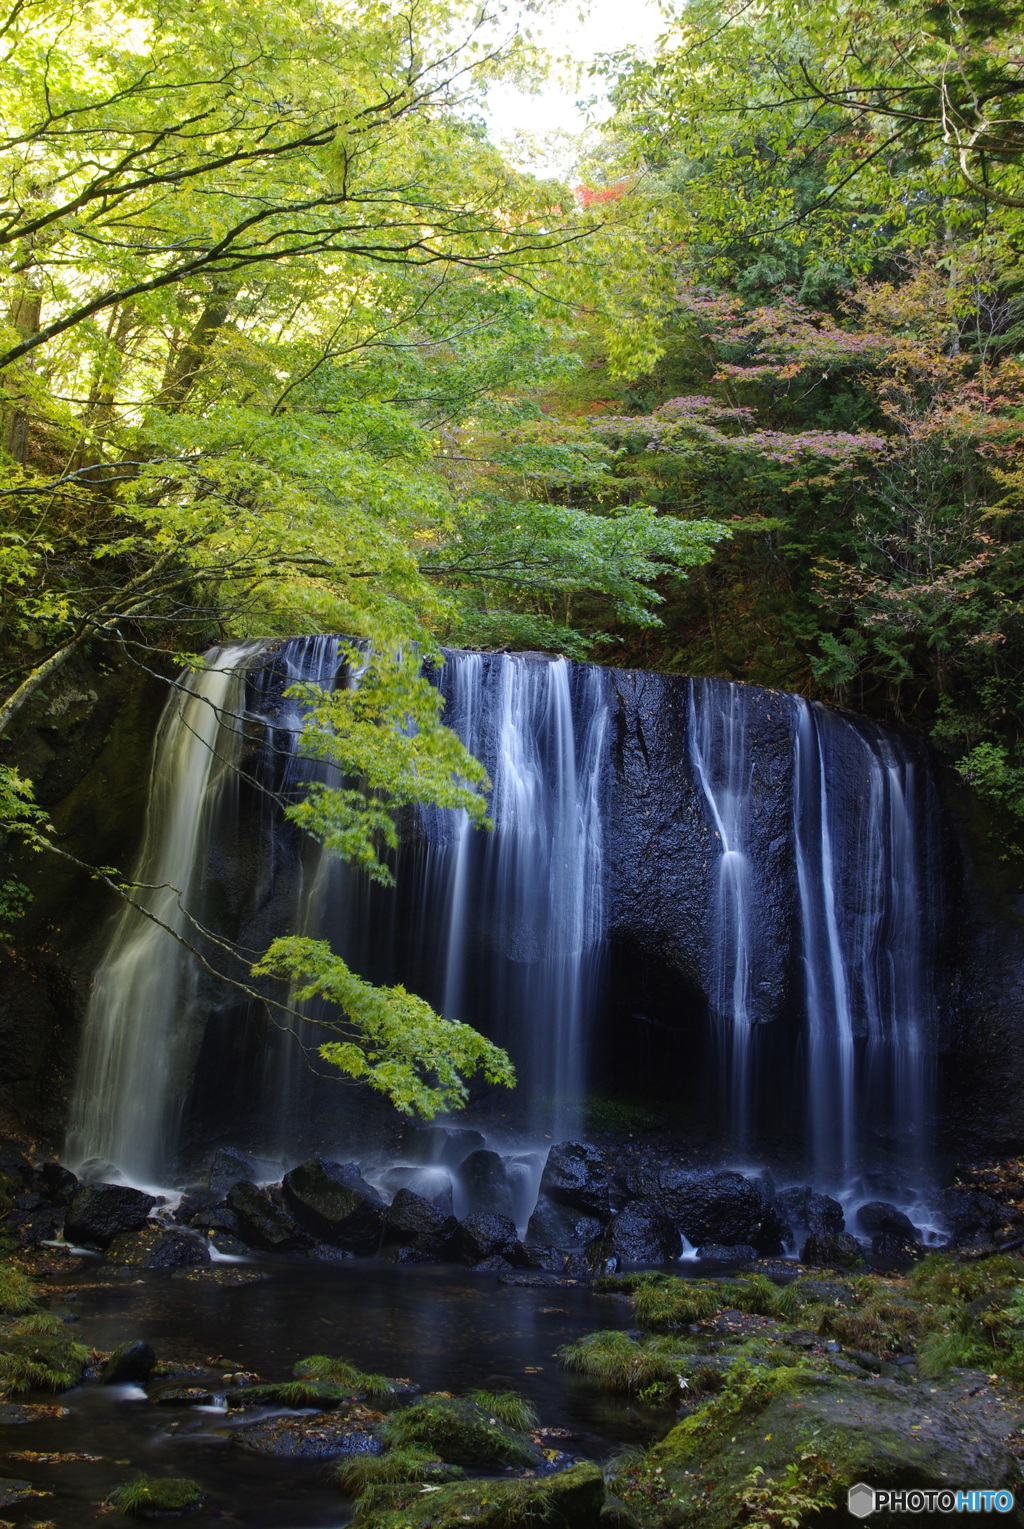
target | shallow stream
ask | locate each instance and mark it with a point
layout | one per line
(443, 1328)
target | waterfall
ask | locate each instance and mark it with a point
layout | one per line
(861, 842)
(130, 1079)
(720, 757)
(502, 930)
(807, 938)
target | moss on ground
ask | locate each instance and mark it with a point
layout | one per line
(459, 1430)
(154, 1496)
(570, 1499)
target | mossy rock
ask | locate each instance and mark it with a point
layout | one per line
(570, 1499)
(293, 1393)
(396, 1467)
(157, 1496)
(788, 1443)
(461, 1431)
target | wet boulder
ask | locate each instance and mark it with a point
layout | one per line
(413, 1224)
(561, 1226)
(229, 1167)
(216, 1218)
(721, 1207)
(481, 1236)
(641, 1233)
(336, 1204)
(130, 1364)
(57, 1183)
(575, 1175)
(878, 1218)
(832, 1250)
(485, 1183)
(96, 1213)
(716, 1256)
(157, 1247)
(263, 1222)
(805, 1207)
(320, 1436)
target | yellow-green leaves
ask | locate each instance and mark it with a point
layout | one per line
(397, 1043)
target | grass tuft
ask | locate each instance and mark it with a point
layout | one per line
(358, 1472)
(340, 1372)
(508, 1407)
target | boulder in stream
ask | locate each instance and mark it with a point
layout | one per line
(641, 1233)
(575, 1175)
(832, 1250)
(157, 1247)
(316, 1436)
(263, 1221)
(336, 1204)
(130, 1364)
(229, 1167)
(440, 1146)
(98, 1212)
(481, 1236)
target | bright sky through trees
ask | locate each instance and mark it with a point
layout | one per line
(543, 129)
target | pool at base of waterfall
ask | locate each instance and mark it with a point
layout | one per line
(439, 1328)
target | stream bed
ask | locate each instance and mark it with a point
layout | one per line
(442, 1328)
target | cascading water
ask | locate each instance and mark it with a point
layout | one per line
(802, 845)
(867, 939)
(720, 758)
(130, 1073)
(502, 930)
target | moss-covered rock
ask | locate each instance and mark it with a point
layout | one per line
(570, 1499)
(157, 1496)
(787, 1443)
(396, 1467)
(461, 1431)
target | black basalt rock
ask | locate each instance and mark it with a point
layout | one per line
(335, 1203)
(721, 1207)
(878, 1218)
(263, 1222)
(157, 1247)
(481, 1236)
(98, 1212)
(832, 1250)
(575, 1175)
(804, 1206)
(130, 1364)
(561, 1226)
(229, 1167)
(641, 1233)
